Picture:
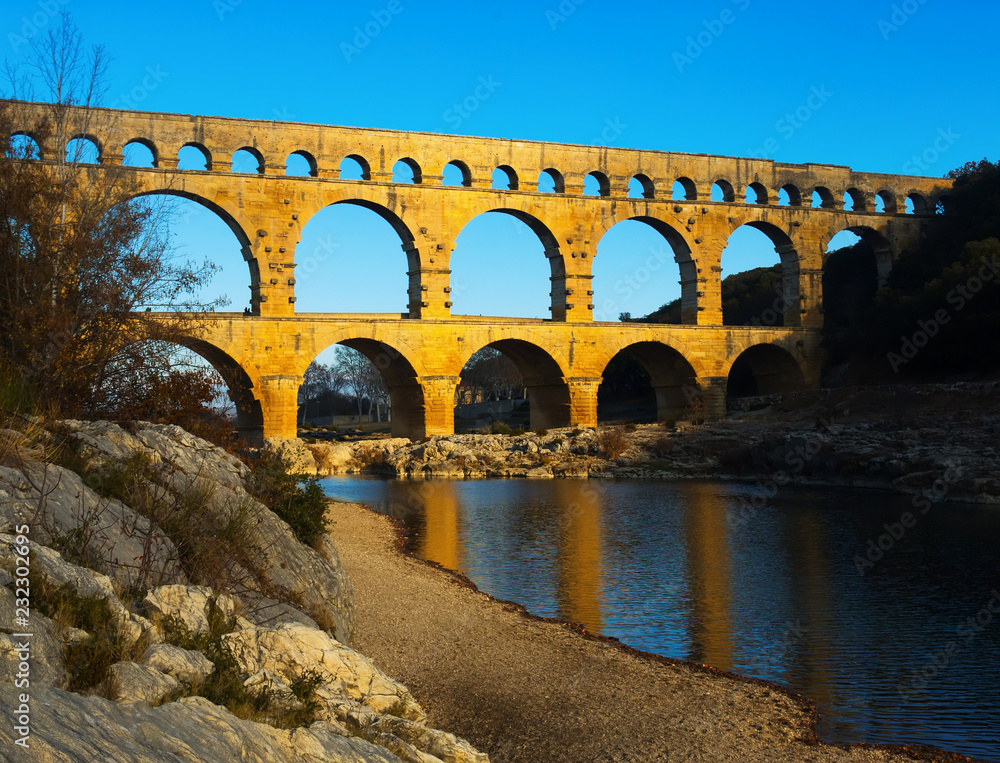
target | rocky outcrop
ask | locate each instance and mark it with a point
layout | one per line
(935, 440)
(187, 466)
(163, 645)
(68, 727)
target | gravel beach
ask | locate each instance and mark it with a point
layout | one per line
(525, 689)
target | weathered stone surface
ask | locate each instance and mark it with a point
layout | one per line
(56, 503)
(291, 650)
(87, 583)
(190, 606)
(131, 682)
(415, 737)
(289, 567)
(67, 727)
(423, 350)
(46, 661)
(183, 664)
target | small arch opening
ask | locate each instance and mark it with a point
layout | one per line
(504, 179)
(193, 157)
(406, 171)
(23, 146)
(722, 190)
(456, 173)
(640, 187)
(138, 153)
(596, 184)
(684, 189)
(822, 198)
(551, 181)
(885, 203)
(916, 204)
(247, 161)
(756, 194)
(355, 167)
(301, 164)
(854, 200)
(83, 151)
(790, 196)
(943, 205)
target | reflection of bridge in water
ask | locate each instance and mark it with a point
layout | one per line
(421, 352)
(712, 552)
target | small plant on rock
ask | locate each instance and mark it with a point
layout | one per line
(613, 442)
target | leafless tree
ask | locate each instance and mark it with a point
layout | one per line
(86, 264)
(493, 375)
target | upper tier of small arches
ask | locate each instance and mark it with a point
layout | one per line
(142, 152)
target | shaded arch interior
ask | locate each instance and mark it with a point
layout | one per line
(764, 369)
(547, 390)
(405, 393)
(672, 377)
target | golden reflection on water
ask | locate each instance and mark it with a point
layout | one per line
(441, 541)
(581, 563)
(709, 574)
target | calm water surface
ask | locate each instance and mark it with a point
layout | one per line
(688, 570)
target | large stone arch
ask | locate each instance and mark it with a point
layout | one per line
(794, 291)
(235, 221)
(876, 239)
(243, 391)
(762, 369)
(527, 214)
(548, 393)
(399, 364)
(389, 210)
(673, 377)
(685, 255)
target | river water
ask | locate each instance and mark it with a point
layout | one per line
(906, 653)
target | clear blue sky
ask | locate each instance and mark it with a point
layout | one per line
(711, 77)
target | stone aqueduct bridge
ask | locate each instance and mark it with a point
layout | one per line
(421, 352)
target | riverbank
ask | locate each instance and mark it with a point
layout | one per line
(936, 442)
(524, 689)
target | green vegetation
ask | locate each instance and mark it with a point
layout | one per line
(297, 499)
(938, 314)
(87, 661)
(746, 297)
(225, 685)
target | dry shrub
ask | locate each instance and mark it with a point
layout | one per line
(613, 442)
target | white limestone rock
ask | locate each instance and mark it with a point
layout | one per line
(292, 650)
(185, 665)
(131, 682)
